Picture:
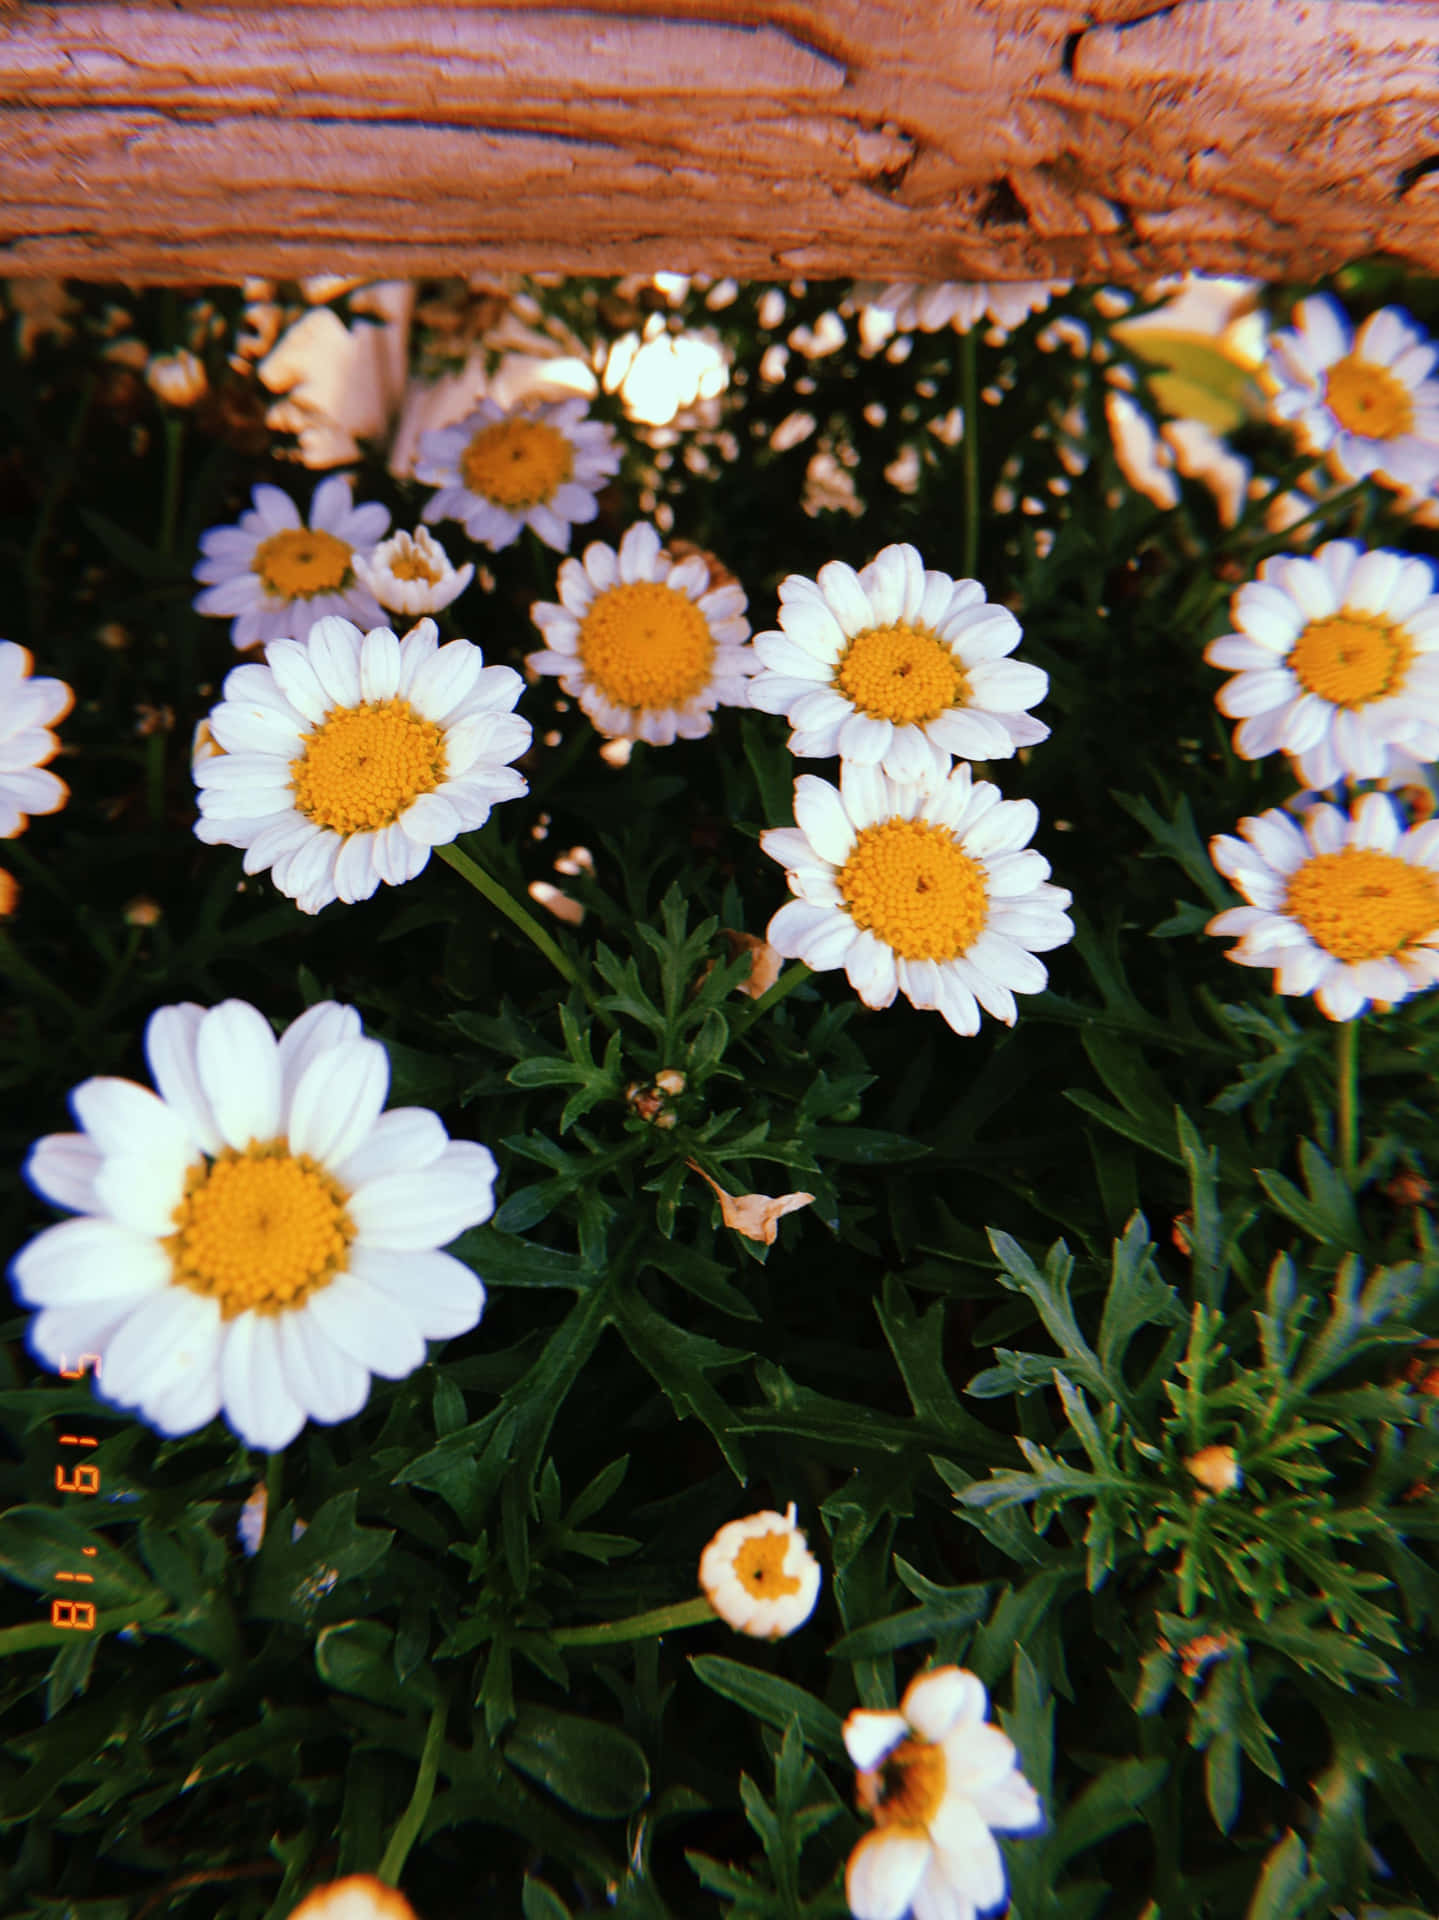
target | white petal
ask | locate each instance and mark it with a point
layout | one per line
(170, 1037)
(821, 816)
(88, 1259)
(439, 1292)
(338, 1101)
(258, 1402)
(368, 1325)
(122, 1118)
(428, 1208)
(884, 1872)
(379, 665)
(333, 651)
(320, 1377)
(870, 1735)
(400, 1141)
(62, 1168)
(239, 1069)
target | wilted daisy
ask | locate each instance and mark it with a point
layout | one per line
(897, 667)
(345, 758)
(925, 888)
(1337, 662)
(257, 1238)
(959, 304)
(28, 709)
(939, 1782)
(1363, 398)
(1345, 907)
(278, 576)
(536, 465)
(648, 645)
(760, 1576)
(411, 573)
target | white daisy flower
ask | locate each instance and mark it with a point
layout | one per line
(538, 464)
(28, 709)
(1344, 906)
(939, 1782)
(760, 1576)
(1338, 660)
(411, 573)
(925, 888)
(346, 757)
(897, 667)
(958, 303)
(647, 644)
(257, 1237)
(1363, 398)
(277, 576)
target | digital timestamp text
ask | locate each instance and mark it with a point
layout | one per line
(84, 1477)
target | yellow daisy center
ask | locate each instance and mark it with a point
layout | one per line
(910, 883)
(907, 1788)
(1351, 658)
(302, 561)
(759, 1566)
(902, 673)
(262, 1229)
(362, 766)
(1362, 904)
(517, 463)
(413, 565)
(1367, 399)
(644, 644)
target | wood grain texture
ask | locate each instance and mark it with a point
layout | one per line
(962, 139)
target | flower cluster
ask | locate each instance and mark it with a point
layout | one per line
(912, 875)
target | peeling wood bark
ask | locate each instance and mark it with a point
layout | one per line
(963, 139)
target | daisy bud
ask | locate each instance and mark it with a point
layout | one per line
(359, 1896)
(177, 378)
(1216, 1469)
(411, 573)
(143, 911)
(670, 1081)
(9, 894)
(760, 1576)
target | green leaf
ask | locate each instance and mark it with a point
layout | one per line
(133, 553)
(38, 1545)
(537, 1902)
(1286, 1887)
(774, 1701)
(1107, 1804)
(1328, 1214)
(358, 1657)
(864, 1147)
(595, 1769)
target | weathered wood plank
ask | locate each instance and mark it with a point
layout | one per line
(967, 139)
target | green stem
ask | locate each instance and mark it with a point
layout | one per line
(638, 1626)
(407, 1830)
(969, 447)
(791, 978)
(274, 1482)
(170, 505)
(498, 896)
(1346, 1074)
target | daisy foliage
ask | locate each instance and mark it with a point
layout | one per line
(724, 1250)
